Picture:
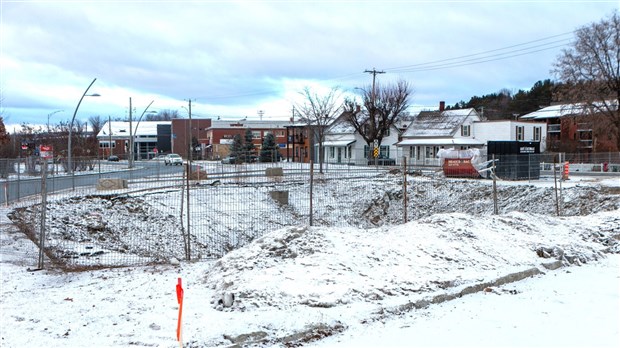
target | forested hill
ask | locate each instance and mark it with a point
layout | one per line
(507, 104)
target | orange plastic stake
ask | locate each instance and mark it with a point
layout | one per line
(180, 301)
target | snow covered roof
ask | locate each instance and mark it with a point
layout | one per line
(252, 124)
(438, 124)
(561, 110)
(441, 142)
(121, 128)
(341, 127)
(338, 143)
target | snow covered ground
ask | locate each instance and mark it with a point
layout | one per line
(442, 280)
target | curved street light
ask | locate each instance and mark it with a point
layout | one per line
(69, 163)
(131, 138)
(48, 119)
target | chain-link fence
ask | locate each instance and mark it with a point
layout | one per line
(155, 213)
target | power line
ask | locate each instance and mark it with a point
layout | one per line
(490, 51)
(477, 61)
(453, 62)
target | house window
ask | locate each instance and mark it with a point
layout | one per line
(537, 131)
(105, 144)
(256, 134)
(520, 133)
(384, 152)
(428, 153)
(331, 152)
(280, 133)
(465, 130)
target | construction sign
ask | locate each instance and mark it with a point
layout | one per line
(46, 151)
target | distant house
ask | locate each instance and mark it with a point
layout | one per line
(298, 142)
(510, 130)
(344, 145)
(572, 128)
(431, 131)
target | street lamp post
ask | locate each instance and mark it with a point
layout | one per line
(48, 119)
(131, 140)
(69, 163)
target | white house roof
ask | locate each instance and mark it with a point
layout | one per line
(341, 127)
(559, 110)
(338, 143)
(121, 128)
(437, 124)
(440, 142)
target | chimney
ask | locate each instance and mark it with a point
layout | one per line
(442, 106)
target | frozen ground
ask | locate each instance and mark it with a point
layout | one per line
(381, 286)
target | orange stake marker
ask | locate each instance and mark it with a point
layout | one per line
(180, 300)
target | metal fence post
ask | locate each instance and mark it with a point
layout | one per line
(311, 186)
(43, 213)
(188, 241)
(405, 188)
(555, 181)
(495, 209)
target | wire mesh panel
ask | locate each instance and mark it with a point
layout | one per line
(212, 208)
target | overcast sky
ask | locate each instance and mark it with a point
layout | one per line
(233, 59)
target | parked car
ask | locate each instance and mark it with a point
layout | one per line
(382, 161)
(270, 157)
(229, 160)
(159, 158)
(113, 158)
(173, 159)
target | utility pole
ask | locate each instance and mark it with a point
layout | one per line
(374, 73)
(130, 137)
(110, 135)
(189, 133)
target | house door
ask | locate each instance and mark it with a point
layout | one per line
(339, 155)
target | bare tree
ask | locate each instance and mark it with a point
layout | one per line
(96, 123)
(590, 74)
(382, 108)
(319, 111)
(164, 115)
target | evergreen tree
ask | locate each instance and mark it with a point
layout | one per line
(248, 145)
(4, 137)
(236, 148)
(269, 151)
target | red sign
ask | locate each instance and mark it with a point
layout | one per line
(46, 151)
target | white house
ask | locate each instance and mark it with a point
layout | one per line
(509, 130)
(431, 131)
(344, 145)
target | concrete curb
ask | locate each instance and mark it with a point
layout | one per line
(510, 278)
(320, 330)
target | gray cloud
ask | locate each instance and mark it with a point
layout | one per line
(243, 54)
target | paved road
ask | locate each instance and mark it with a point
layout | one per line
(16, 189)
